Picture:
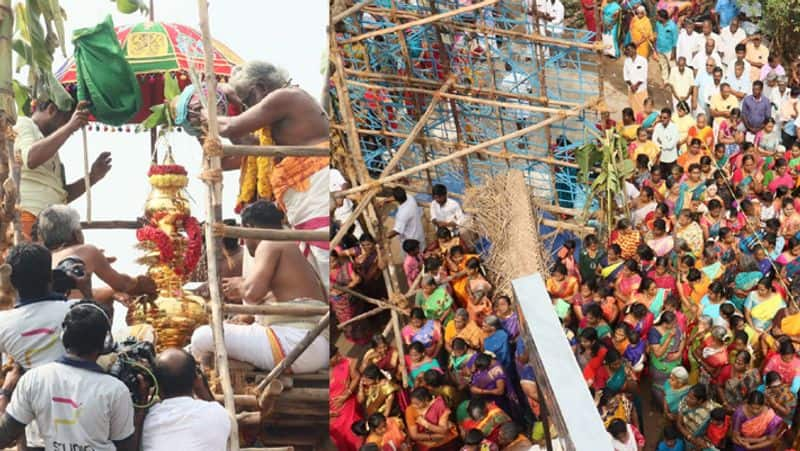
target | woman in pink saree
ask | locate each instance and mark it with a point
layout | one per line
(756, 427)
(342, 402)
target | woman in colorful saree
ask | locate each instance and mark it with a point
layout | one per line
(662, 275)
(462, 327)
(712, 355)
(418, 362)
(626, 237)
(675, 389)
(756, 426)
(726, 133)
(388, 433)
(591, 258)
(651, 296)
(614, 405)
(660, 241)
(716, 297)
(696, 337)
(694, 414)
(459, 367)
(665, 348)
(762, 305)
(790, 257)
(702, 131)
(490, 381)
(497, 341)
(457, 263)
(505, 311)
(713, 220)
(427, 332)
(376, 392)
(594, 319)
(641, 32)
(627, 283)
(342, 304)
(383, 355)
(786, 364)
(748, 173)
(590, 353)
(613, 263)
(343, 404)
(434, 300)
(737, 380)
(428, 421)
(486, 417)
(478, 291)
(562, 288)
(779, 397)
(625, 437)
(368, 263)
(611, 23)
(690, 232)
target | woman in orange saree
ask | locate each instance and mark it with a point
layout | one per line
(342, 402)
(386, 432)
(479, 306)
(703, 132)
(457, 262)
(756, 426)
(428, 421)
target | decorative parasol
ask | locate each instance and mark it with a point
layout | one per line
(157, 48)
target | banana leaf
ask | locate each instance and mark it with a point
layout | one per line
(22, 97)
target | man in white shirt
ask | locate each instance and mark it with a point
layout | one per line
(739, 81)
(179, 420)
(689, 42)
(708, 33)
(634, 73)
(730, 37)
(708, 84)
(29, 333)
(681, 83)
(445, 212)
(666, 137)
(76, 405)
(699, 60)
(408, 219)
(343, 207)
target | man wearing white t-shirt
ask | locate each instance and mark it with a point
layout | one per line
(689, 42)
(408, 219)
(75, 403)
(730, 37)
(179, 421)
(445, 212)
(29, 333)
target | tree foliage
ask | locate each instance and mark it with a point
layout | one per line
(781, 21)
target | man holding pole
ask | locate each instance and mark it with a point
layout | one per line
(42, 179)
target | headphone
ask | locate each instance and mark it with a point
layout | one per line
(108, 343)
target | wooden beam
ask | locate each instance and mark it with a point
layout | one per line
(126, 225)
(469, 150)
(274, 309)
(418, 22)
(446, 95)
(271, 234)
(350, 11)
(276, 151)
(471, 90)
(295, 352)
(212, 162)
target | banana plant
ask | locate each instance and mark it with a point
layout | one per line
(39, 31)
(614, 168)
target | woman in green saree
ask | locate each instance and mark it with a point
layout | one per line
(418, 362)
(435, 301)
(665, 340)
(675, 388)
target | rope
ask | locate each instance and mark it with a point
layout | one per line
(211, 176)
(212, 148)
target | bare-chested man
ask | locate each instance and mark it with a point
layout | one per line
(281, 114)
(279, 270)
(60, 232)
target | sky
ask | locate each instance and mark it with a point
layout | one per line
(290, 34)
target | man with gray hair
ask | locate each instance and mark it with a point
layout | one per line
(285, 115)
(60, 232)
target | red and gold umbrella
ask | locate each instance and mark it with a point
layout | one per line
(157, 48)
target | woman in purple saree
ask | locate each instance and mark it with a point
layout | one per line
(491, 382)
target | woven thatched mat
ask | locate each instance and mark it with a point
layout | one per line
(501, 211)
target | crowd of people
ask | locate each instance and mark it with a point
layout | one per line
(687, 308)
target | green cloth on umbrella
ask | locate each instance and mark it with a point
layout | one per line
(105, 78)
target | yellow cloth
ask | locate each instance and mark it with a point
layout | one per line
(648, 148)
(790, 325)
(471, 333)
(642, 31)
(43, 186)
(726, 105)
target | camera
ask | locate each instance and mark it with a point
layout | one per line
(134, 358)
(66, 273)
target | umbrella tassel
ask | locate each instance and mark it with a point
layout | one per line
(86, 176)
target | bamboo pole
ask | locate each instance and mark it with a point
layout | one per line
(111, 225)
(418, 22)
(350, 11)
(276, 151)
(478, 100)
(364, 315)
(7, 118)
(212, 162)
(465, 152)
(270, 234)
(87, 181)
(290, 358)
(274, 309)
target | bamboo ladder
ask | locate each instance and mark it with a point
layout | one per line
(213, 150)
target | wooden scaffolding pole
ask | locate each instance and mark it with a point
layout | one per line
(212, 150)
